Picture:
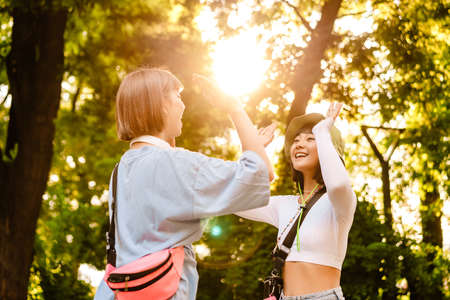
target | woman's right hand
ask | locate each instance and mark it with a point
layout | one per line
(333, 112)
(214, 94)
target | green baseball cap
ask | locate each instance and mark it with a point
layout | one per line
(302, 121)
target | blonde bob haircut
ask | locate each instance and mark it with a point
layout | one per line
(140, 102)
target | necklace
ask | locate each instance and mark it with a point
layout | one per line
(298, 212)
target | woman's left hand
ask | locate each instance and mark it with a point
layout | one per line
(333, 112)
(266, 134)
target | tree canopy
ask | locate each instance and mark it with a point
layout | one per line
(392, 76)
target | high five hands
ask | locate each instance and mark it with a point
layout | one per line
(219, 99)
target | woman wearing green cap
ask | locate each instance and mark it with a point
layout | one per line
(313, 265)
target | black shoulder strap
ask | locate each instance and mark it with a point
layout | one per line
(281, 252)
(111, 234)
(290, 237)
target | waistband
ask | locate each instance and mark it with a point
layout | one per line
(335, 293)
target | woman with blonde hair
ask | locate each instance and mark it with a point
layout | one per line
(311, 267)
(164, 192)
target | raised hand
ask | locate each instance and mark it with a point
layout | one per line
(244, 126)
(266, 134)
(214, 94)
(333, 112)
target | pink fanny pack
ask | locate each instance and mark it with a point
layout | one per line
(154, 276)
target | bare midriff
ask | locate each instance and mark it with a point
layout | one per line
(302, 278)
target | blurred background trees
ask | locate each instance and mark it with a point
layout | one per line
(388, 61)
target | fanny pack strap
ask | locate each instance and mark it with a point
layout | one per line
(280, 253)
(111, 234)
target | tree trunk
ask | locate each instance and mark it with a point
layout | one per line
(35, 69)
(387, 207)
(308, 70)
(431, 211)
(385, 178)
(390, 290)
(431, 218)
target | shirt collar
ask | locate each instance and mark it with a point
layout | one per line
(150, 139)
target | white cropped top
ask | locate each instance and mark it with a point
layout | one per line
(324, 232)
(323, 236)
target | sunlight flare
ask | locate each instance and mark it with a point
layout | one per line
(239, 64)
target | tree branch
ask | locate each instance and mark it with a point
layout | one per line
(352, 14)
(372, 145)
(308, 71)
(384, 128)
(392, 148)
(75, 97)
(295, 8)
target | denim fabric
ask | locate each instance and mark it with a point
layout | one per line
(333, 294)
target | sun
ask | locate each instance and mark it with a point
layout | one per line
(239, 64)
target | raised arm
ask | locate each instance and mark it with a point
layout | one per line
(334, 174)
(248, 134)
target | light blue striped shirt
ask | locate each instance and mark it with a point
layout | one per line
(163, 194)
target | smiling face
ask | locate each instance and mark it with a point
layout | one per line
(303, 152)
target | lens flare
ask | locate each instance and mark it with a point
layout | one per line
(216, 230)
(239, 65)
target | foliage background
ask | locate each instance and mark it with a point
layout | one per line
(394, 76)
